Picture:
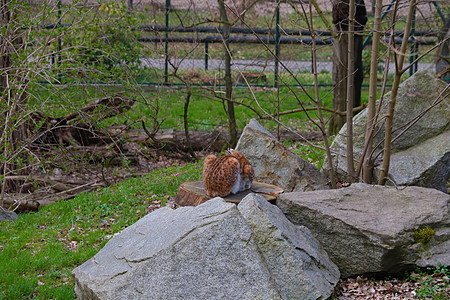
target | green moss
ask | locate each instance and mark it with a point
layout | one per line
(423, 234)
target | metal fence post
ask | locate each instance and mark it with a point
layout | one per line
(166, 44)
(416, 65)
(439, 11)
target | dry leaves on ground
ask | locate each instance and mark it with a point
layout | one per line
(363, 288)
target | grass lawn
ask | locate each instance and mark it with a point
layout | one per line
(39, 251)
(206, 109)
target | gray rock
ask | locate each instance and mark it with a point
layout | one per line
(7, 215)
(298, 265)
(427, 164)
(415, 95)
(203, 252)
(370, 229)
(275, 164)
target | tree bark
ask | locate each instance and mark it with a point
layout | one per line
(340, 58)
(228, 80)
(392, 100)
(186, 124)
(340, 48)
(350, 88)
(323, 130)
(366, 159)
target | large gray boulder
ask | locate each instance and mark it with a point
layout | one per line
(373, 229)
(203, 252)
(427, 164)
(275, 164)
(426, 142)
(208, 252)
(298, 264)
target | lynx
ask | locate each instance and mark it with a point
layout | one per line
(231, 173)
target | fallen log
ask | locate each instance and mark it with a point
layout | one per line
(77, 128)
(103, 108)
(34, 201)
(202, 140)
(192, 193)
(20, 203)
(54, 184)
(172, 138)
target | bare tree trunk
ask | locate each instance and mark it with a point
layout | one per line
(228, 80)
(366, 159)
(186, 124)
(319, 109)
(391, 106)
(350, 88)
(340, 58)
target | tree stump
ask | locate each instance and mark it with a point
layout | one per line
(192, 193)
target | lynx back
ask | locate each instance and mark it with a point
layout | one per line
(230, 173)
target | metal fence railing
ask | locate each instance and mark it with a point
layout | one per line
(269, 38)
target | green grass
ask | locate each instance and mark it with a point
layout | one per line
(206, 111)
(309, 153)
(39, 251)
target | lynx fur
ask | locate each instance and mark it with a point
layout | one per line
(231, 173)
